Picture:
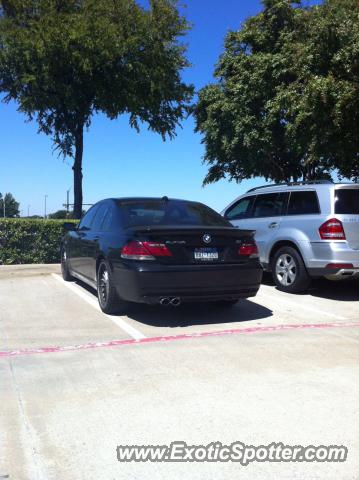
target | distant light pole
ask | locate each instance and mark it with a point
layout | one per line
(67, 201)
(45, 207)
(28, 210)
(4, 206)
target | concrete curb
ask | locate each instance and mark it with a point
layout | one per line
(7, 271)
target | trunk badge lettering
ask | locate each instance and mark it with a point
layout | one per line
(170, 242)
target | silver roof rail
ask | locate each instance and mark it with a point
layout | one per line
(291, 184)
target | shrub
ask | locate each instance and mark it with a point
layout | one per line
(30, 241)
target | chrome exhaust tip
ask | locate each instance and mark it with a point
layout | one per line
(165, 301)
(175, 302)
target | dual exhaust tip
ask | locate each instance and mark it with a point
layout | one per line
(170, 301)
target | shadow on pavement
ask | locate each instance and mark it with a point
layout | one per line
(198, 314)
(341, 290)
(193, 314)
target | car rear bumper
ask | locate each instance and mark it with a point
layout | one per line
(319, 254)
(334, 272)
(148, 283)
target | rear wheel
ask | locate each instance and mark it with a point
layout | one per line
(108, 297)
(64, 267)
(289, 272)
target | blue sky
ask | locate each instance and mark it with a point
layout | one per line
(117, 160)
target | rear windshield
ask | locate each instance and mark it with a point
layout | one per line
(347, 201)
(169, 212)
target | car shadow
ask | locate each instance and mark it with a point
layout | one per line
(189, 314)
(198, 314)
(341, 290)
(267, 279)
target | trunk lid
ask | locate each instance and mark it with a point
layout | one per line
(197, 245)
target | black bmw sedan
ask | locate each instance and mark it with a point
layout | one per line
(160, 251)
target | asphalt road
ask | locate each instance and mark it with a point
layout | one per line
(75, 383)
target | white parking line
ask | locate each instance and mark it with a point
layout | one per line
(298, 306)
(119, 321)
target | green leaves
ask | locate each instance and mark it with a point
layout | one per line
(30, 241)
(11, 206)
(63, 61)
(286, 105)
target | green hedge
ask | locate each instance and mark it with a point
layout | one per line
(30, 241)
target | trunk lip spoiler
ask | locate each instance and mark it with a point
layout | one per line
(190, 229)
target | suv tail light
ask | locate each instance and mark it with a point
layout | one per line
(332, 230)
(144, 251)
(248, 250)
(340, 266)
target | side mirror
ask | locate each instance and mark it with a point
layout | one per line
(69, 226)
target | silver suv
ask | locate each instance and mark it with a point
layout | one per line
(303, 230)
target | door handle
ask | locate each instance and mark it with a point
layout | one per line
(273, 225)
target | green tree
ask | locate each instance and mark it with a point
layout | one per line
(286, 105)
(64, 60)
(59, 215)
(11, 206)
(62, 214)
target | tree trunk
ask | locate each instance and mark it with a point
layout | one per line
(77, 168)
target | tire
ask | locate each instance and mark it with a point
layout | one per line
(107, 295)
(289, 272)
(66, 275)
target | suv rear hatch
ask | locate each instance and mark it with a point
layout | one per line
(346, 209)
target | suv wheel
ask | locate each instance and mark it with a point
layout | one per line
(107, 295)
(289, 272)
(64, 267)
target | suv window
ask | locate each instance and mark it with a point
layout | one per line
(87, 220)
(303, 203)
(347, 201)
(269, 205)
(99, 217)
(241, 209)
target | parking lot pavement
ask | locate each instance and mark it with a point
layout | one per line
(75, 383)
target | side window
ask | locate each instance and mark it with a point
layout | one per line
(269, 205)
(99, 217)
(241, 209)
(303, 203)
(87, 220)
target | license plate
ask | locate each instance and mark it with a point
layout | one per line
(206, 254)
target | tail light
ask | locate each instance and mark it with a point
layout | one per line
(144, 251)
(340, 266)
(248, 250)
(332, 230)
